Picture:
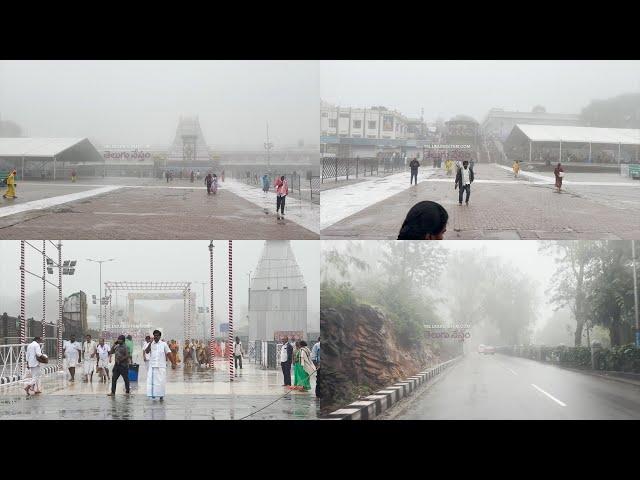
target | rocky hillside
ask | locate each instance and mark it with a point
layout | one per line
(361, 354)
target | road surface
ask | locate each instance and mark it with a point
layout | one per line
(500, 387)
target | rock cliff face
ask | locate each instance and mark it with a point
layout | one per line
(361, 354)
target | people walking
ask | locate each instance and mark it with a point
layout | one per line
(237, 353)
(88, 358)
(159, 352)
(266, 182)
(192, 176)
(121, 366)
(104, 359)
(559, 174)
(286, 357)
(145, 355)
(426, 220)
(73, 175)
(315, 354)
(464, 178)
(34, 358)
(208, 181)
(129, 343)
(71, 351)
(214, 184)
(304, 367)
(11, 185)
(282, 190)
(448, 165)
(414, 170)
(516, 168)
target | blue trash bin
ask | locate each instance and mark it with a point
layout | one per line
(133, 372)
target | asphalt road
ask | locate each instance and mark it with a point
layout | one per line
(499, 387)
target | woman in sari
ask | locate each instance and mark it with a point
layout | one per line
(188, 362)
(304, 367)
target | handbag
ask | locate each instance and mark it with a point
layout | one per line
(42, 358)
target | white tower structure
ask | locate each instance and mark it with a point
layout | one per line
(277, 293)
(189, 144)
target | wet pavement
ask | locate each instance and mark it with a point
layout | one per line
(192, 394)
(502, 207)
(500, 387)
(148, 210)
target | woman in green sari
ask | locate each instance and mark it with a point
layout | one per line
(303, 367)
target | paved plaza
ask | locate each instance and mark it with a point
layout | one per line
(591, 206)
(192, 394)
(138, 208)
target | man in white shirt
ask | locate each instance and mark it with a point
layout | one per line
(34, 353)
(146, 356)
(88, 357)
(71, 351)
(159, 352)
(104, 359)
(464, 178)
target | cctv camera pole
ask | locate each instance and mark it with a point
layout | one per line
(635, 291)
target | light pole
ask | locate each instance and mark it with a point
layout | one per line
(100, 262)
(635, 291)
(268, 146)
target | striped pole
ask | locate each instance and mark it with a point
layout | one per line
(44, 288)
(23, 326)
(212, 340)
(110, 312)
(60, 305)
(189, 314)
(230, 337)
(184, 316)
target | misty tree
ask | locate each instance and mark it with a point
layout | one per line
(464, 285)
(609, 290)
(509, 302)
(567, 284)
(419, 263)
(622, 111)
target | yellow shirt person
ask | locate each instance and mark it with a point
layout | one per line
(11, 186)
(516, 168)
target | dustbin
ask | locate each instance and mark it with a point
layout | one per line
(133, 372)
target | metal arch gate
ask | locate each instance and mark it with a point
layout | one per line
(152, 291)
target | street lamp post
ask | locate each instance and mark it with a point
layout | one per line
(100, 318)
(268, 146)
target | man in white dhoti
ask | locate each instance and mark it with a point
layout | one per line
(104, 359)
(71, 351)
(159, 352)
(88, 358)
(34, 355)
(146, 356)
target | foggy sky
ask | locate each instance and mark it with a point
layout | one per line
(140, 102)
(156, 260)
(448, 88)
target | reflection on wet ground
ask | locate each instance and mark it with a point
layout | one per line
(192, 394)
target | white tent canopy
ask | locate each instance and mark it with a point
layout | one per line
(36, 147)
(569, 134)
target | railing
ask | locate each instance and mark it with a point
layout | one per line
(12, 363)
(298, 188)
(334, 168)
(13, 366)
(314, 188)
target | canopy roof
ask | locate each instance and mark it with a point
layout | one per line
(71, 149)
(570, 134)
